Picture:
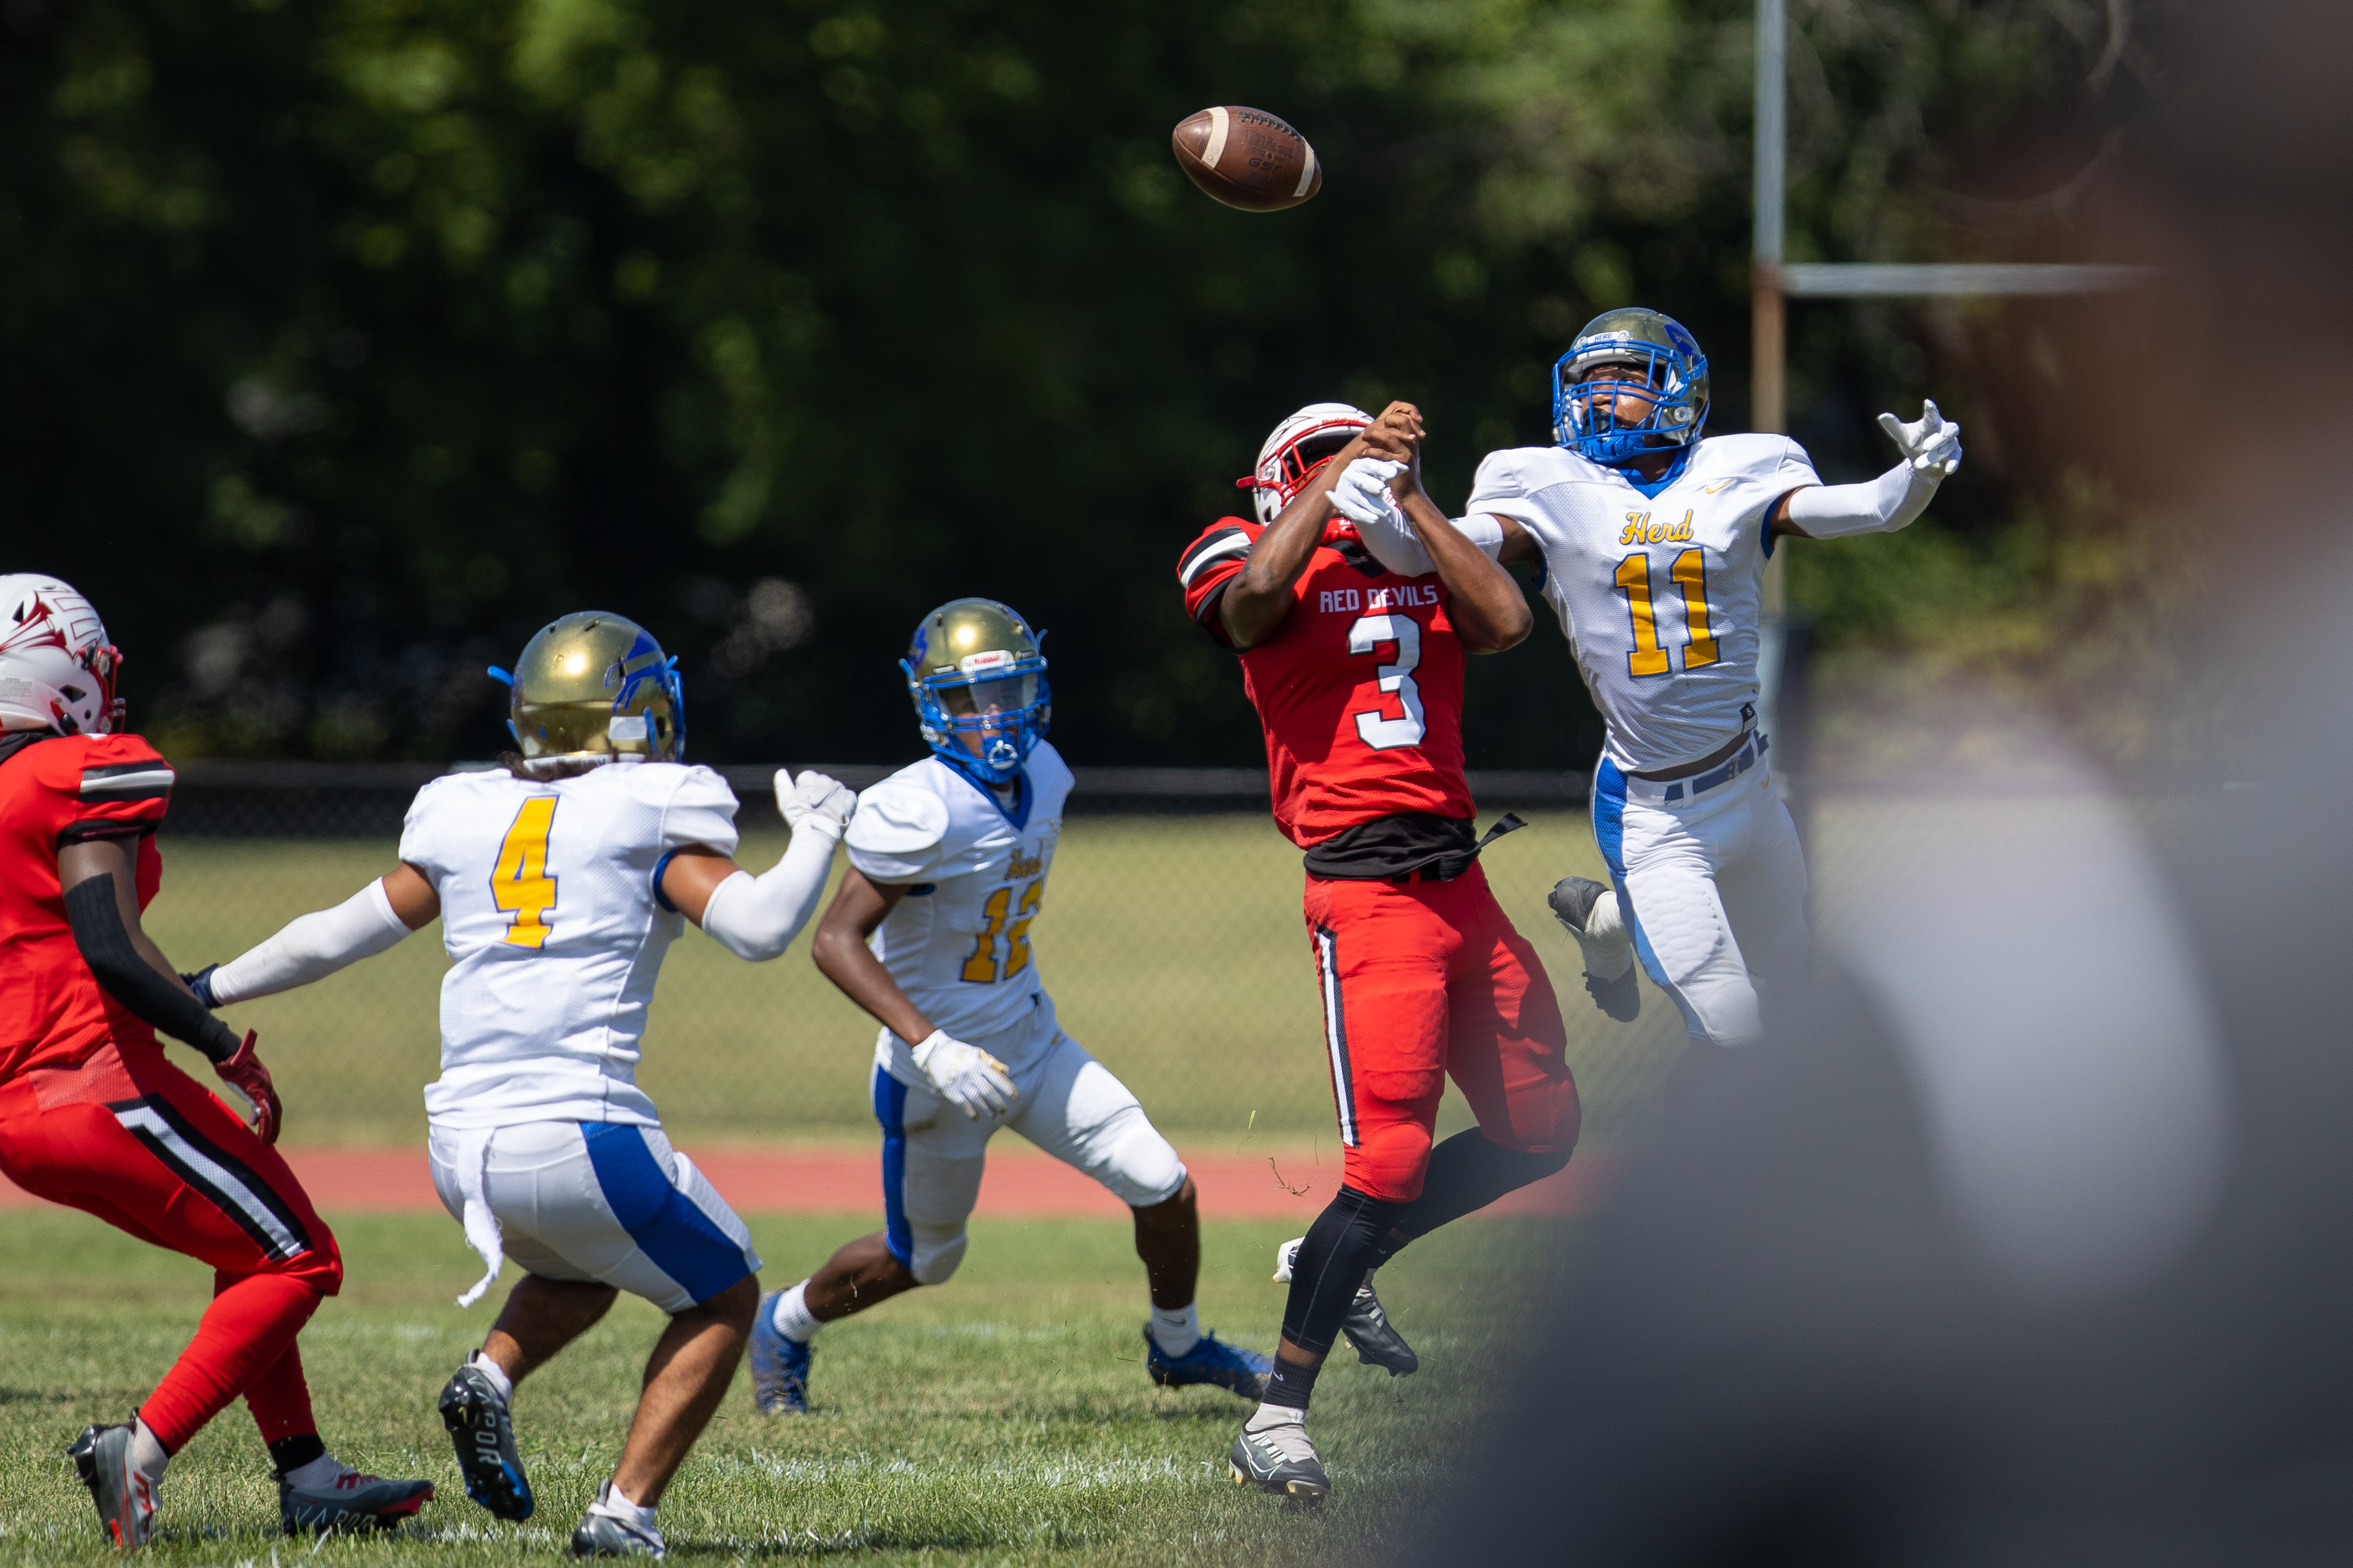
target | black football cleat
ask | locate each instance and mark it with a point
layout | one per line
(1280, 1462)
(1620, 993)
(1377, 1339)
(482, 1431)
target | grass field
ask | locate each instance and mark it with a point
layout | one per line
(1173, 945)
(1004, 1418)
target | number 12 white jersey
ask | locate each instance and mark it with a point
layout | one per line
(958, 942)
(549, 910)
(1660, 596)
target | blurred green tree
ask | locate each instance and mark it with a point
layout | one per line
(344, 343)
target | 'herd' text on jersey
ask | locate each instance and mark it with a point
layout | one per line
(1359, 689)
(1662, 597)
(958, 942)
(551, 915)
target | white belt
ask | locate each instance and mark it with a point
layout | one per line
(1682, 792)
(482, 1225)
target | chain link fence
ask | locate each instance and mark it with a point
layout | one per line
(1170, 936)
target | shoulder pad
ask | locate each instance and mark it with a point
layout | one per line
(1229, 539)
(898, 817)
(1755, 453)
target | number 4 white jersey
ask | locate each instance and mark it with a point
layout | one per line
(1662, 597)
(957, 943)
(550, 911)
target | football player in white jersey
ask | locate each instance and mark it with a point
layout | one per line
(1651, 543)
(561, 880)
(930, 934)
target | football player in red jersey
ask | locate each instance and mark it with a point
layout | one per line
(1356, 673)
(92, 1114)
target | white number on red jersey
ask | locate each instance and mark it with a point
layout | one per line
(1365, 635)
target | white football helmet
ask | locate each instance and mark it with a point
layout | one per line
(56, 669)
(1300, 445)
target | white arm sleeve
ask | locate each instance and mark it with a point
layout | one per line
(1393, 542)
(1882, 506)
(757, 918)
(311, 948)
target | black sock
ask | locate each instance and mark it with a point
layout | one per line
(1466, 1173)
(1339, 1247)
(293, 1453)
(1289, 1384)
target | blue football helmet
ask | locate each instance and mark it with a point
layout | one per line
(1673, 388)
(979, 688)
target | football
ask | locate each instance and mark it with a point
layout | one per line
(1246, 158)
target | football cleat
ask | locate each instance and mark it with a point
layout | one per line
(1377, 1339)
(1620, 993)
(482, 1430)
(351, 1502)
(602, 1535)
(125, 1498)
(780, 1365)
(1280, 1461)
(1234, 1368)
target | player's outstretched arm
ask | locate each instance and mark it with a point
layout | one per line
(966, 1076)
(1931, 445)
(757, 918)
(101, 880)
(316, 945)
(1259, 596)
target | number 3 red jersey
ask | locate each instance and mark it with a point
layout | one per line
(56, 791)
(1359, 689)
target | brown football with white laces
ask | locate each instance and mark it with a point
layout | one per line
(1246, 158)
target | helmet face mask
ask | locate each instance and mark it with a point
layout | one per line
(1671, 388)
(1296, 450)
(58, 671)
(977, 679)
(596, 688)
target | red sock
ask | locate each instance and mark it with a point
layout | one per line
(280, 1399)
(246, 1332)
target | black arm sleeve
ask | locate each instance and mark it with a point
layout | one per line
(130, 979)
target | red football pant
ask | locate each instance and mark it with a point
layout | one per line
(1422, 982)
(133, 1140)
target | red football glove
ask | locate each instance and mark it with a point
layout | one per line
(245, 1073)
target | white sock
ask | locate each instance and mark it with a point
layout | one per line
(793, 1318)
(1176, 1330)
(614, 1503)
(1603, 922)
(148, 1454)
(1266, 1415)
(495, 1373)
(1605, 929)
(319, 1474)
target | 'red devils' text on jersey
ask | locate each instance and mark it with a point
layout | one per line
(1359, 689)
(54, 791)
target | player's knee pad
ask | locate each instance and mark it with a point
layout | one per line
(1128, 1156)
(936, 1252)
(1389, 1162)
(1546, 1117)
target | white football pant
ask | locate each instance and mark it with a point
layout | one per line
(1070, 1105)
(1711, 883)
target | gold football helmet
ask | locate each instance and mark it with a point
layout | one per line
(978, 682)
(596, 687)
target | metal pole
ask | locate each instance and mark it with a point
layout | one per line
(1767, 337)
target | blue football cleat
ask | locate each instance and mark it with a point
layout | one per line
(780, 1365)
(1213, 1361)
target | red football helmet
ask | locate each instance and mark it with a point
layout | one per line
(1300, 445)
(56, 669)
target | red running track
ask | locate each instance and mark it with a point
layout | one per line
(832, 1179)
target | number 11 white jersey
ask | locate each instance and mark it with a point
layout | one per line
(1660, 598)
(549, 910)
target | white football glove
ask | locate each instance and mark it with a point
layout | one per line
(814, 800)
(966, 1076)
(1362, 493)
(1931, 445)
(1285, 1256)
